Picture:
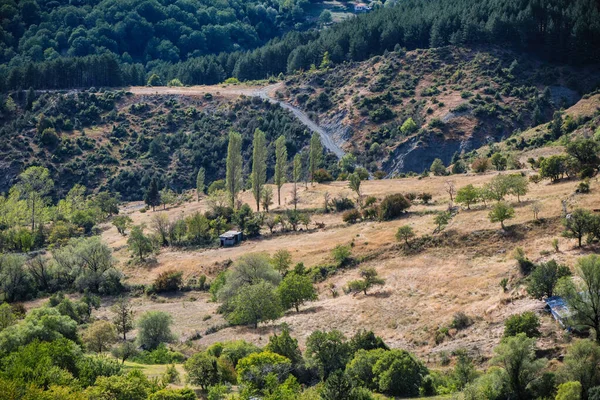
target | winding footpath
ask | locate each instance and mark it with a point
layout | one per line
(264, 92)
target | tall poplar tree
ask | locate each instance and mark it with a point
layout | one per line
(280, 165)
(315, 155)
(200, 182)
(259, 165)
(297, 175)
(233, 179)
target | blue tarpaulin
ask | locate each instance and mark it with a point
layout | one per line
(558, 309)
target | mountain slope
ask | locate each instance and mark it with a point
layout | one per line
(458, 98)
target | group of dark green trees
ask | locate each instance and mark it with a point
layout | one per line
(173, 39)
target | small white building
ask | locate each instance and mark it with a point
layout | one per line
(230, 238)
(361, 7)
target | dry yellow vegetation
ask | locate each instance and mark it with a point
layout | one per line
(422, 291)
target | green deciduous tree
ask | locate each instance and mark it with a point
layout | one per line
(254, 304)
(516, 356)
(281, 166)
(234, 166)
(139, 244)
(254, 369)
(202, 370)
(34, 186)
(527, 323)
(154, 328)
(544, 278)
(583, 295)
(370, 278)
(99, 336)
(354, 184)
(438, 168)
(281, 261)
(285, 345)
(577, 224)
(399, 373)
(467, 195)
(329, 351)
(294, 290)
(582, 364)
(122, 222)
(405, 233)
(259, 165)
(501, 212)
(123, 316)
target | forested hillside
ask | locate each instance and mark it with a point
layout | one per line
(181, 38)
(118, 142)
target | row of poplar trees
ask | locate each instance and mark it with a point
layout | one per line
(258, 177)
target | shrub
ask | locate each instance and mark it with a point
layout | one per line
(461, 321)
(583, 187)
(351, 216)
(392, 207)
(425, 197)
(527, 323)
(322, 175)
(481, 164)
(343, 204)
(341, 254)
(168, 281)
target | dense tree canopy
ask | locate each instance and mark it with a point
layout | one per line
(200, 42)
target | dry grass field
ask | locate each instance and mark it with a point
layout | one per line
(422, 291)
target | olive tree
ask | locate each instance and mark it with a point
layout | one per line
(154, 328)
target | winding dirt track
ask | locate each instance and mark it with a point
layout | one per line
(264, 92)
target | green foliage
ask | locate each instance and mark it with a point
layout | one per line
(409, 126)
(285, 345)
(122, 222)
(294, 290)
(392, 207)
(42, 324)
(501, 212)
(281, 261)
(99, 336)
(139, 244)
(569, 391)
(253, 369)
(516, 356)
(328, 351)
(467, 195)
(581, 364)
(259, 165)
(281, 167)
(577, 224)
(369, 279)
(583, 294)
(438, 168)
(527, 323)
(202, 370)
(168, 281)
(154, 328)
(399, 373)
(405, 233)
(545, 276)
(234, 166)
(255, 303)
(173, 394)
(341, 254)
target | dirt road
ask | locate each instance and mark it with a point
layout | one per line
(264, 92)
